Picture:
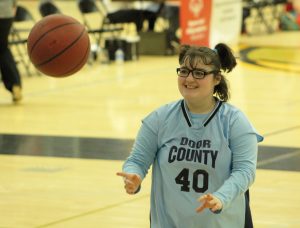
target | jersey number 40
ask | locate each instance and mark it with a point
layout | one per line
(183, 180)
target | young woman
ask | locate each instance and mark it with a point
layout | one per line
(202, 149)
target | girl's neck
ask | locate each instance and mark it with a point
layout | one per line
(203, 107)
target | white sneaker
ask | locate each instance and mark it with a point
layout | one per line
(16, 93)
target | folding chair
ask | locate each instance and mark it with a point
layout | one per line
(95, 20)
(89, 9)
(23, 22)
(121, 18)
(134, 15)
(47, 8)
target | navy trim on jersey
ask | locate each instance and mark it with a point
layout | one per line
(185, 114)
(213, 113)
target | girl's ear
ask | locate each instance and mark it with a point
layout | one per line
(217, 78)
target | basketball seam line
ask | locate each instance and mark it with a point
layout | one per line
(86, 52)
(61, 52)
(42, 36)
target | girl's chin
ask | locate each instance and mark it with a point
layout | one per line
(190, 91)
(190, 95)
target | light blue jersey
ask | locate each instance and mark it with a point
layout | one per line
(195, 154)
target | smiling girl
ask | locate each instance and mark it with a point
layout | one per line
(203, 150)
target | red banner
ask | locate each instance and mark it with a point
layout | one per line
(195, 16)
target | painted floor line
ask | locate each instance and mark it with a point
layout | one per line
(278, 158)
(93, 211)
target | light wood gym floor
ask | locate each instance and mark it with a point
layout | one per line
(61, 147)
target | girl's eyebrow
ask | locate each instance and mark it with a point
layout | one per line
(196, 68)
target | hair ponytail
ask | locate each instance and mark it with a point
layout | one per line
(221, 90)
(227, 59)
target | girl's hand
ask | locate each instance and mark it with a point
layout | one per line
(209, 201)
(132, 182)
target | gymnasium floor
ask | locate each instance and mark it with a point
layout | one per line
(60, 148)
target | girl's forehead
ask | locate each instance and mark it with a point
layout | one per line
(196, 62)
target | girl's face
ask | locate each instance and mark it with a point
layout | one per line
(197, 90)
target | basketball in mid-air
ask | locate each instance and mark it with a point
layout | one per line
(58, 45)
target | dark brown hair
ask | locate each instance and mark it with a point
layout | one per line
(221, 58)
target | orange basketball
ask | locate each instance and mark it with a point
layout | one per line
(58, 45)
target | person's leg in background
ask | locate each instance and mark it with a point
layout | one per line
(246, 14)
(127, 16)
(150, 17)
(10, 74)
(171, 14)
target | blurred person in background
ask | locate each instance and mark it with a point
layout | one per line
(133, 12)
(290, 20)
(9, 72)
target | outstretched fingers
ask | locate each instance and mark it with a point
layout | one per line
(131, 181)
(209, 201)
(122, 174)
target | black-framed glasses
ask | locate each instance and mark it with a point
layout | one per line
(196, 73)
